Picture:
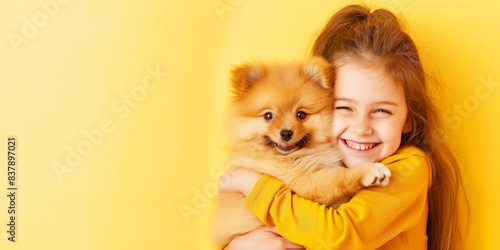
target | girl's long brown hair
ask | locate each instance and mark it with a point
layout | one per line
(355, 33)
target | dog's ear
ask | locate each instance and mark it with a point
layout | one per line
(320, 71)
(245, 76)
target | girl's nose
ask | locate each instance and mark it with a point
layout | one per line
(361, 126)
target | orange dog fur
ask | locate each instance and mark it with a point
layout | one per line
(279, 124)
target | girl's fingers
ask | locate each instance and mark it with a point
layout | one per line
(291, 245)
(288, 244)
(272, 229)
(223, 182)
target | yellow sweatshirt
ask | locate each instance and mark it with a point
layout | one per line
(390, 217)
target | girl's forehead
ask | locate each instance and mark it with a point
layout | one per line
(354, 80)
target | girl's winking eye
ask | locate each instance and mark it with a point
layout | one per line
(343, 109)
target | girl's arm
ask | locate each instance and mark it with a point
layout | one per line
(373, 217)
(242, 180)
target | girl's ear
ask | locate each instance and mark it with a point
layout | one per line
(319, 71)
(407, 127)
(245, 76)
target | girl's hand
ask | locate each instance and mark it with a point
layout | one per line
(237, 179)
(261, 239)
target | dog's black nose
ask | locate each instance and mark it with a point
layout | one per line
(286, 135)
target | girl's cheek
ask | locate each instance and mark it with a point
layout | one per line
(339, 126)
(334, 142)
(336, 132)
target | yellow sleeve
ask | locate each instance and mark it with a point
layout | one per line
(370, 219)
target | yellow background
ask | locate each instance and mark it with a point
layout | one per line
(68, 69)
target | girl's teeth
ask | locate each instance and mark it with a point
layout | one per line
(360, 147)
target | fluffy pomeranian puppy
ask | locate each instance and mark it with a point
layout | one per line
(279, 123)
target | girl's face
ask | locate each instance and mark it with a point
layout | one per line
(369, 115)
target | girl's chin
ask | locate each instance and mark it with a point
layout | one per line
(356, 160)
(350, 163)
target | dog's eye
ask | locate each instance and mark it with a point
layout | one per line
(301, 115)
(268, 116)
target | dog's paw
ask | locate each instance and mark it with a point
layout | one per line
(378, 175)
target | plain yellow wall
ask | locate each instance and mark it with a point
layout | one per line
(117, 108)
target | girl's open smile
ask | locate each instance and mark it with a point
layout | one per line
(360, 147)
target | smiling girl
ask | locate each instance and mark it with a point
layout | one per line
(382, 113)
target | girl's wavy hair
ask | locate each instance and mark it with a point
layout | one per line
(355, 33)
